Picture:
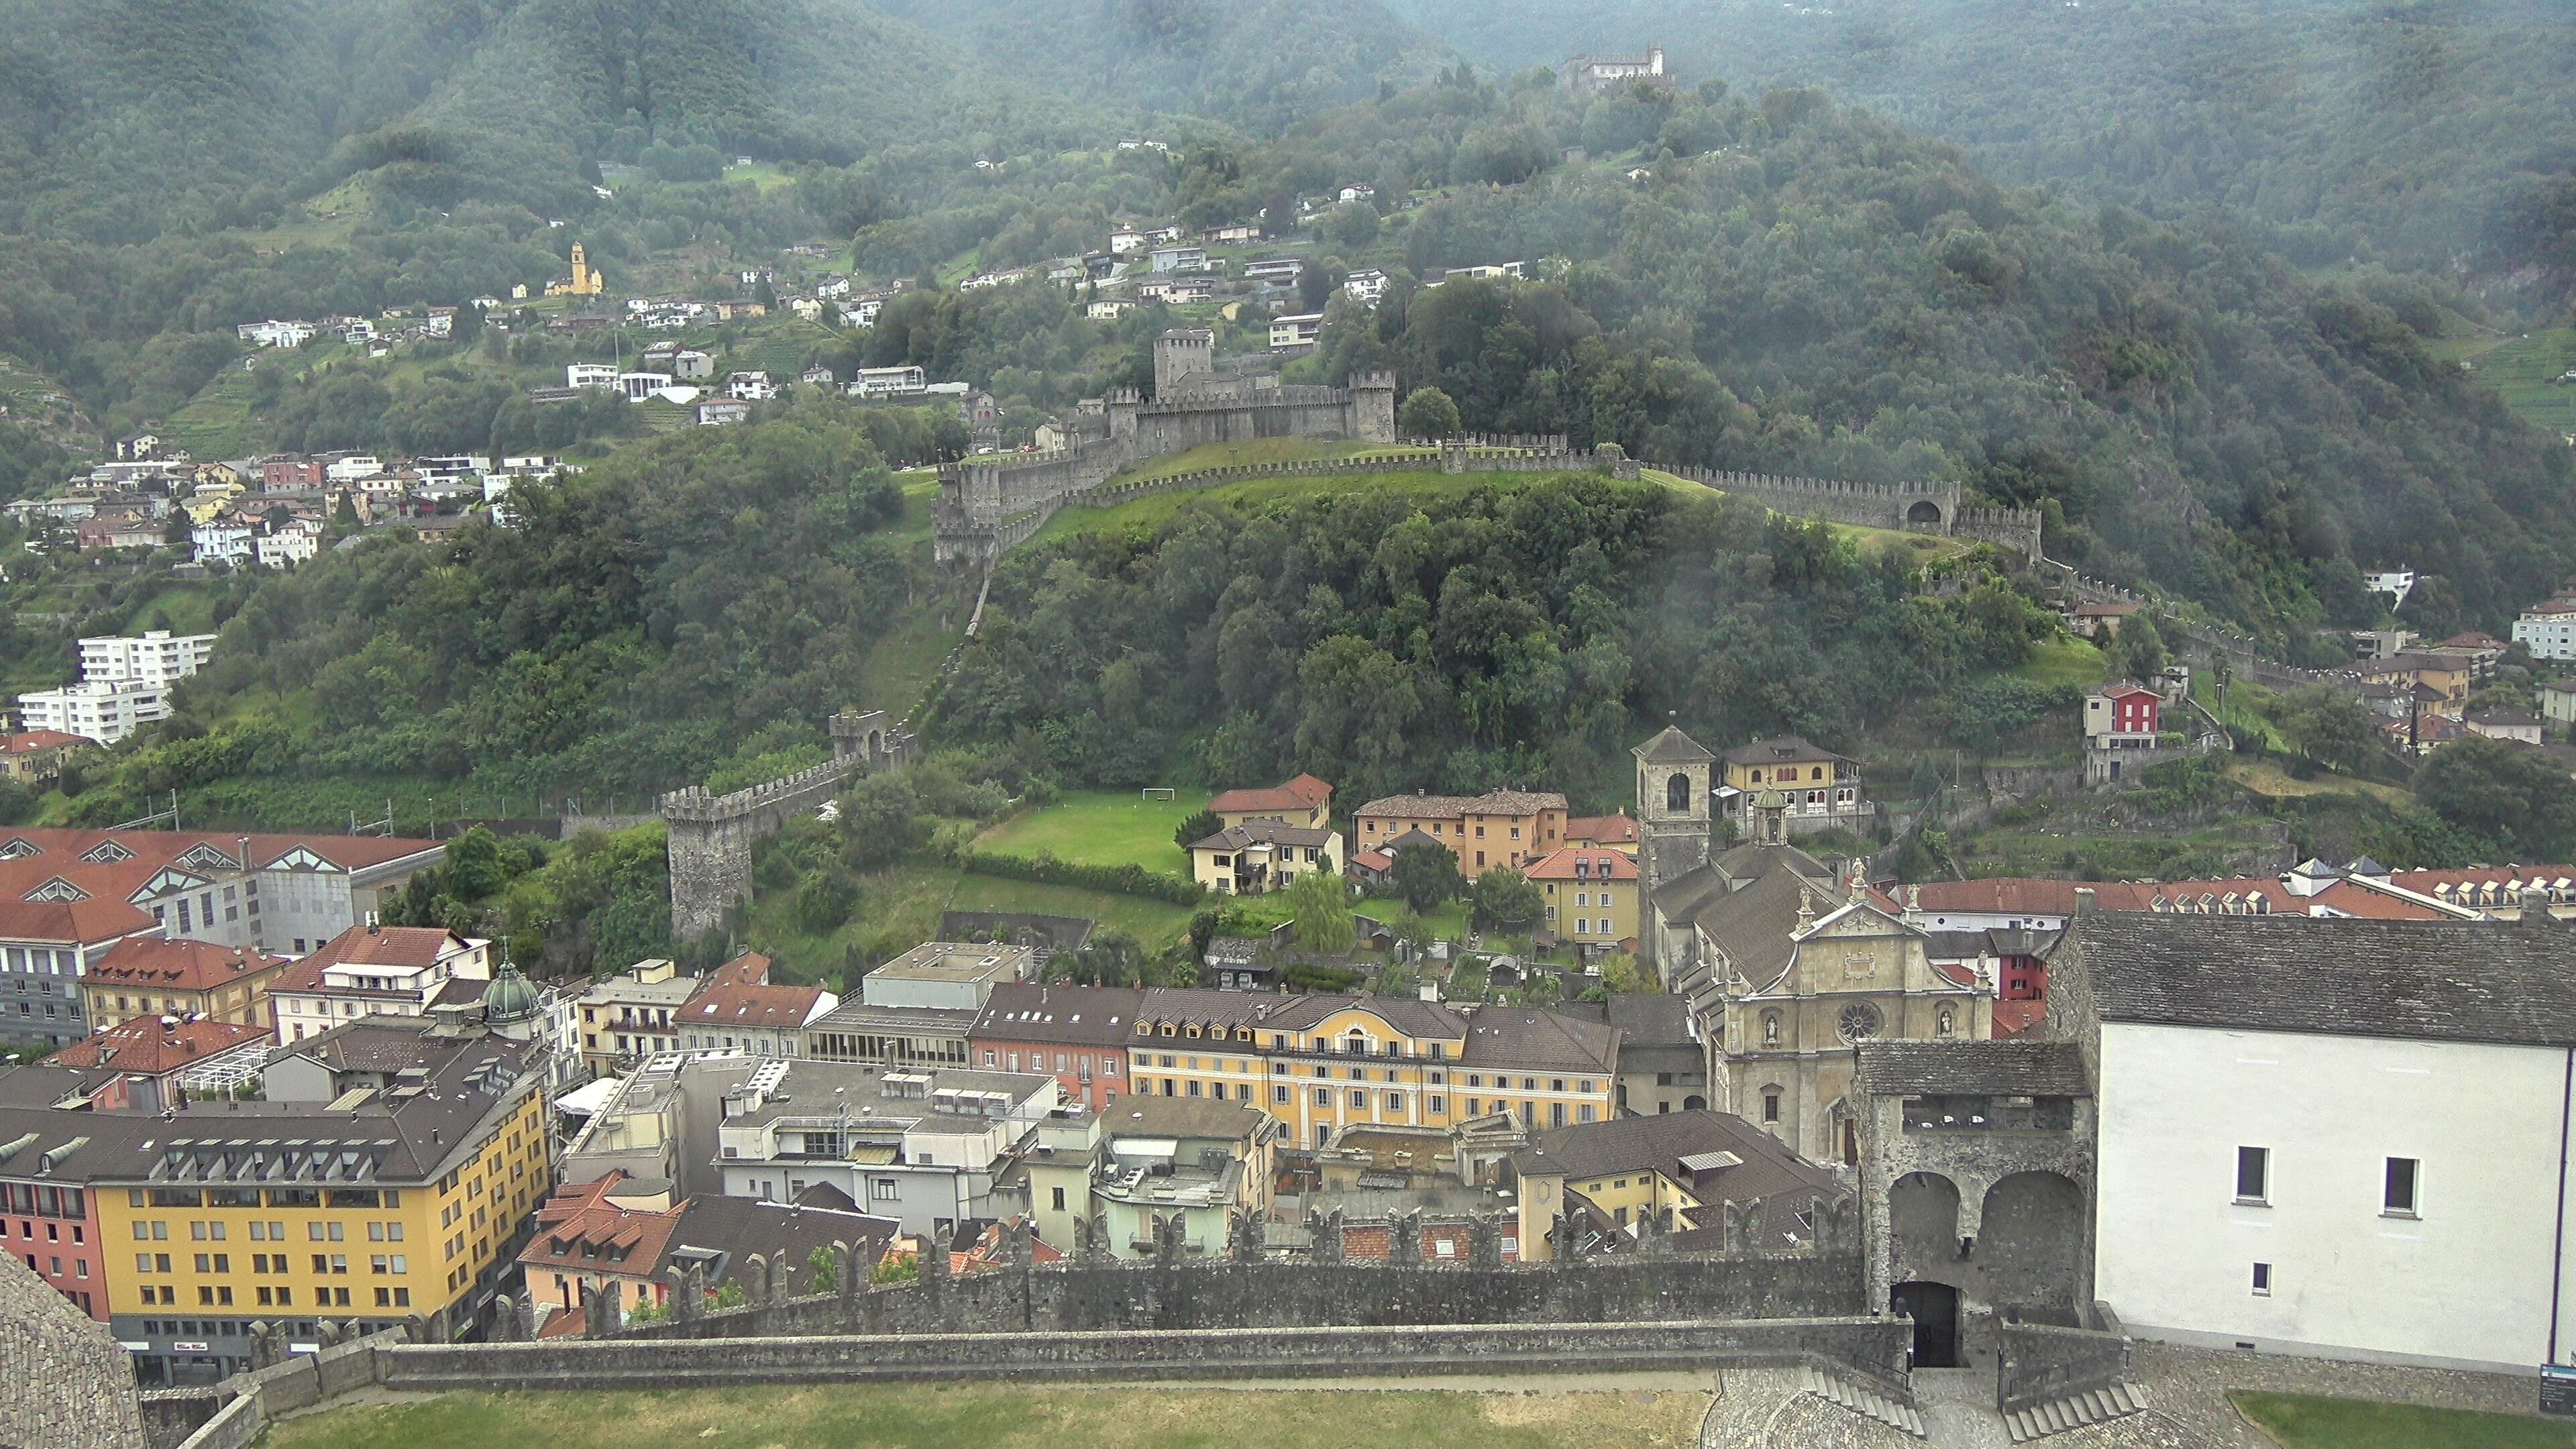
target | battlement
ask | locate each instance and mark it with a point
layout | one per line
(695, 803)
(1372, 381)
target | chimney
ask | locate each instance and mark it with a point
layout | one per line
(372, 927)
(2535, 908)
(2084, 904)
(242, 842)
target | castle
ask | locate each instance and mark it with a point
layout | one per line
(1199, 399)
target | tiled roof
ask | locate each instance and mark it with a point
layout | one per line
(148, 1046)
(1263, 832)
(1305, 792)
(63, 848)
(86, 922)
(1074, 1015)
(1672, 747)
(750, 1007)
(181, 964)
(1780, 750)
(1651, 1018)
(1984, 1068)
(29, 741)
(2471, 981)
(1539, 1040)
(411, 947)
(1619, 829)
(1144, 1116)
(1451, 807)
(1598, 864)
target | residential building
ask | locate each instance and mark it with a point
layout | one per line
(2500, 723)
(1667, 1169)
(2122, 715)
(1078, 1033)
(291, 545)
(168, 1060)
(1233, 233)
(737, 1007)
(1124, 240)
(1154, 1165)
(1301, 329)
(917, 1146)
(1782, 787)
(1108, 309)
(641, 386)
(1366, 285)
(153, 975)
(1177, 258)
(2558, 701)
(2481, 652)
(46, 947)
(1262, 855)
(1281, 271)
(370, 1210)
(1357, 191)
(1603, 832)
(1593, 74)
(48, 1214)
(2284, 1147)
(632, 1015)
(756, 386)
(379, 970)
(279, 893)
(718, 414)
(230, 543)
(288, 474)
(2448, 677)
(156, 657)
(1303, 801)
(621, 1238)
(949, 975)
(35, 758)
(1499, 828)
(2548, 629)
(905, 381)
(103, 711)
(1591, 896)
(1663, 1064)
(2396, 583)
(1322, 1063)
(692, 365)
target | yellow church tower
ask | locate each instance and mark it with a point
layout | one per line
(585, 282)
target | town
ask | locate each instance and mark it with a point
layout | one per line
(806, 727)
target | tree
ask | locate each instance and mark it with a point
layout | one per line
(1397, 980)
(1314, 286)
(1197, 828)
(2511, 794)
(822, 1269)
(1321, 902)
(2139, 648)
(880, 820)
(1425, 874)
(1623, 974)
(1427, 413)
(2329, 727)
(1506, 900)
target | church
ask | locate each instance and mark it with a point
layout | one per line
(1787, 963)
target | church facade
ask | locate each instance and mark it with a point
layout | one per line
(1786, 962)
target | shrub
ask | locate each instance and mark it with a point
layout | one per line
(1125, 880)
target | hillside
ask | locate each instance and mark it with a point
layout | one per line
(2432, 134)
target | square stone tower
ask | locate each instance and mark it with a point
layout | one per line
(1180, 354)
(1673, 811)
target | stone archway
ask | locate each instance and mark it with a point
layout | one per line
(1923, 514)
(1922, 1221)
(1934, 1307)
(2030, 1243)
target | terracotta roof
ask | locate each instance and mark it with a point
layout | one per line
(1373, 860)
(408, 947)
(181, 964)
(1451, 807)
(2021, 895)
(65, 847)
(1305, 792)
(1617, 829)
(150, 1046)
(1599, 863)
(28, 741)
(86, 922)
(2123, 688)
(2012, 1018)
(738, 994)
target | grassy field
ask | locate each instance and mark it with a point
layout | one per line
(2524, 368)
(2063, 660)
(761, 174)
(2301, 1422)
(999, 1417)
(2265, 778)
(1100, 827)
(190, 608)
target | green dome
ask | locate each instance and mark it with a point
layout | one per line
(509, 998)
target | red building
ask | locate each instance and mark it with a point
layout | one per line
(2123, 710)
(50, 1146)
(1077, 1034)
(283, 473)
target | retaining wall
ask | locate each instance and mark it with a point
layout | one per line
(1873, 1346)
(2041, 1362)
(248, 1401)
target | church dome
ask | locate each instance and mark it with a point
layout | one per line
(509, 998)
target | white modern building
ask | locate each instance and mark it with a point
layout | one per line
(231, 544)
(2548, 630)
(2339, 1138)
(888, 382)
(1297, 330)
(289, 546)
(158, 657)
(2396, 583)
(104, 710)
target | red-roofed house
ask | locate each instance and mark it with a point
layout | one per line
(35, 757)
(157, 976)
(171, 1054)
(1612, 832)
(1591, 895)
(45, 949)
(379, 971)
(737, 1007)
(1305, 802)
(280, 893)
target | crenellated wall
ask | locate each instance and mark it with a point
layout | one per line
(710, 837)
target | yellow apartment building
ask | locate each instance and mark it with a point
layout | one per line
(1502, 828)
(1591, 895)
(1305, 802)
(1322, 1063)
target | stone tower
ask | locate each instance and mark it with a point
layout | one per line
(1180, 354)
(1373, 407)
(1673, 814)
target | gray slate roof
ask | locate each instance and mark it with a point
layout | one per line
(2467, 981)
(1972, 1068)
(1672, 747)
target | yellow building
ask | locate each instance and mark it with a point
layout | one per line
(1304, 801)
(1260, 855)
(374, 1208)
(1322, 1063)
(1489, 831)
(584, 283)
(1591, 895)
(174, 976)
(1782, 787)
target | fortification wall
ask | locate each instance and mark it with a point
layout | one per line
(2041, 1362)
(1875, 1347)
(709, 837)
(1932, 507)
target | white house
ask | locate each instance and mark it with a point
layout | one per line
(276, 334)
(1178, 259)
(2548, 630)
(156, 656)
(590, 374)
(2396, 583)
(1357, 191)
(352, 467)
(1298, 330)
(289, 546)
(888, 382)
(750, 387)
(690, 363)
(1366, 286)
(227, 543)
(921, 1145)
(1124, 240)
(105, 710)
(2332, 1137)
(637, 386)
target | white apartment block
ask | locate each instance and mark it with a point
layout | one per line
(2548, 630)
(158, 657)
(286, 548)
(104, 710)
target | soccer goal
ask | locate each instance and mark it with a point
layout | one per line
(1157, 792)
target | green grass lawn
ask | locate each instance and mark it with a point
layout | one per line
(2302, 1422)
(1156, 923)
(2524, 369)
(2063, 660)
(761, 174)
(1100, 827)
(190, 608)
(844, 1416)
(900, 666)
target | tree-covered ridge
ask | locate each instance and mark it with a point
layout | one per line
(2431, 134)
(1510, 635)
(702, 598)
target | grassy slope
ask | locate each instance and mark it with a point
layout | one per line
(2302, 1422)
(1099, 827)
(2063, 660)
(1001, 1417)
(2525, 369)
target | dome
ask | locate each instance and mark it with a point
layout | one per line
(509, 998)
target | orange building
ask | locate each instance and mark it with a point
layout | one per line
(1499, 829)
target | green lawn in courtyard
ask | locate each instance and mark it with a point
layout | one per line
(1101, 827)
(2300, 1421)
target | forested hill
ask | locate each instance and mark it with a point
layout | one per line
(1259, 63)
(2430, 133)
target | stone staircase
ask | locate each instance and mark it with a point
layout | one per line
(2093, 1406)
(1860, 1399)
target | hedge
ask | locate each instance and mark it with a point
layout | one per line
(1125, 880)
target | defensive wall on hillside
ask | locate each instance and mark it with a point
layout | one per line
(709, 836)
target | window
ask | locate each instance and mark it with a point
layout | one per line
(1438, 1106)
(1359, 1098)
(2254, 1176)
(1395, 1101)
(2262, 1280)
(1279, 1094)
(2397, 1194)
(1770, 1104)
(1059, 1199)
(1323, 1096)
